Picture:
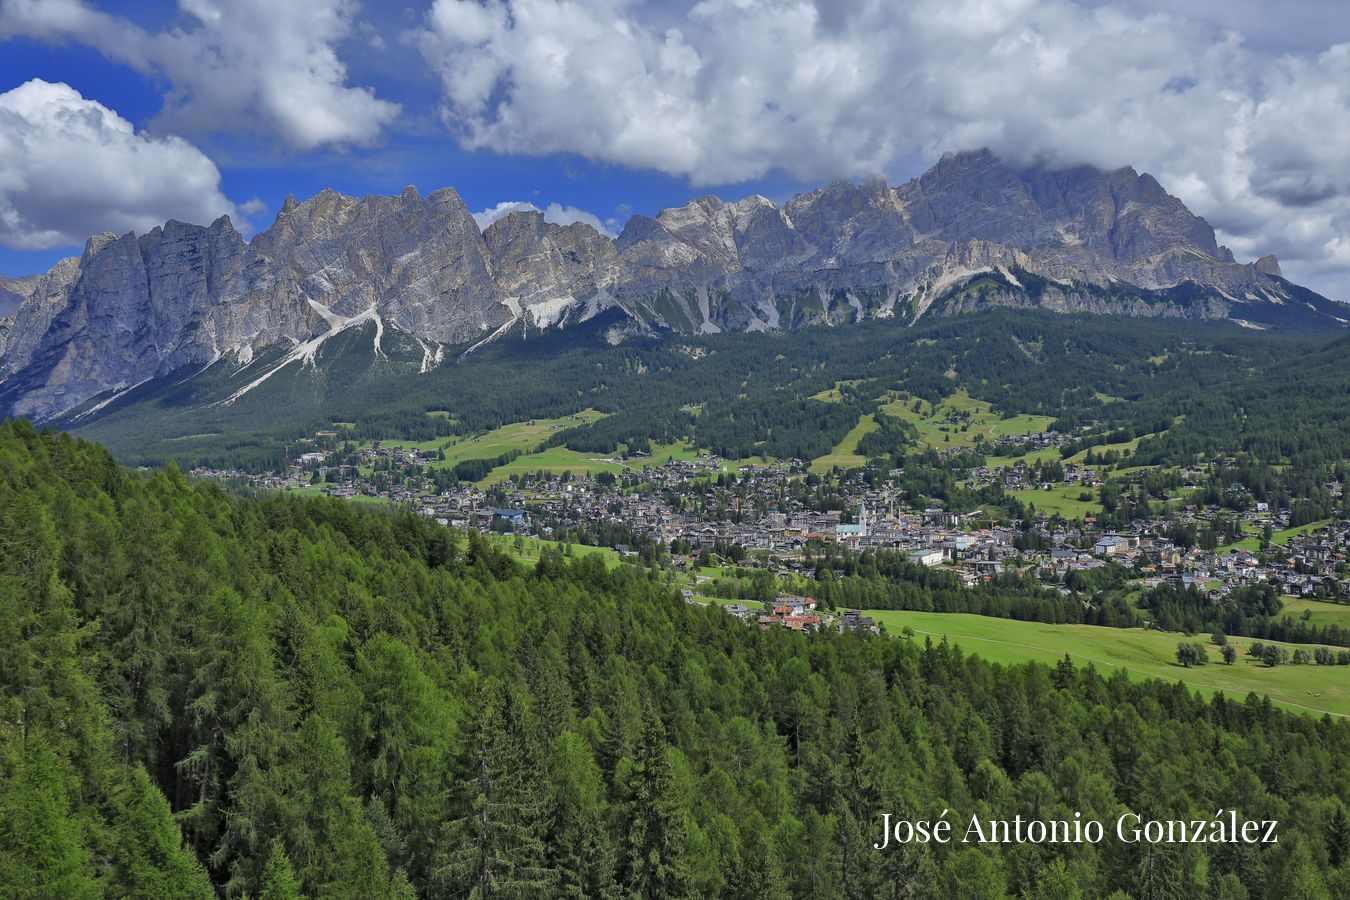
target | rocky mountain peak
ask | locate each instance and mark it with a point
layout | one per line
(850, 222)
(514, 223)
(971, 232)
(1268, 265)
(13, 292)
(96, 245)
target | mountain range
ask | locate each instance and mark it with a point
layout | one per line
(971, 233)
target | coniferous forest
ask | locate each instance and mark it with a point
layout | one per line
(204, 695)
(648, 450)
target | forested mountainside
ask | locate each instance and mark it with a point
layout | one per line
(1188, 386)
(973, 233)
(283, 697)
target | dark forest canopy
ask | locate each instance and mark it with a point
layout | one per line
(281, 697)
(1193, 387)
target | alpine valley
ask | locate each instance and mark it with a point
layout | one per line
(426, 288)
(981, 536)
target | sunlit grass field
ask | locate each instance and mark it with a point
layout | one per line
(522, 436)
(1143, 654)
(845, 454)
(557, 460)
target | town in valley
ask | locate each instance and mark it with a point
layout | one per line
(701, 515)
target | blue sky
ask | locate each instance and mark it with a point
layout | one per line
(417, 149)
(143, 111)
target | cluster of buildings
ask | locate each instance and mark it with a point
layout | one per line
(795, 614)
(701, 505)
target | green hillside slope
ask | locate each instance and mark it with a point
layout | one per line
(270, 697)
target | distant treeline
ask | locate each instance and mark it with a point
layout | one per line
(1204, 386)
(1251, 610)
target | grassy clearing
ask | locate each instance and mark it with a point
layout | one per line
(309, 490)
(426, 446)
(1143, 654)
(722, 601)
(522, 436)
(375, 501)
(977, 418)
(1125, 448)
(1278, 538)
(1062, 499)
(1129, 471)
(1319, 612)
(736, 465)
(1019, 425)
(845, 454)
(531, 548)
(1036, 456)
(557, 460)
(1250, 544)
(833, 394)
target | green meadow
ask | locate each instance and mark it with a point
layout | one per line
(1062, 499)
(845, 454)
(523, 436)
(976, 418)
(556, 460)
(833, 394)
(1319, 612)
(1143, 654)
(1278, 538)
(530, 548)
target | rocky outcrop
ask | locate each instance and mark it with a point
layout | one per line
(13, 291)
(42, 298)
(852, 251)
(547, 274)
(182, 295)
(970, 233)
(420, 263)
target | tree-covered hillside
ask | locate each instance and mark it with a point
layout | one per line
(277, 698)
(743, 395)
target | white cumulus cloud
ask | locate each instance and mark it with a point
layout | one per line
(71, 167)
(238, 65)
(555, 213)
(720, 91)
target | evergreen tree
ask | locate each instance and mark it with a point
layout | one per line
(654, 824)
(1055, 882)
(1338, 836)
(579, 847)
(150, 856)
(496, 848)
(43, 850)
(278, 878)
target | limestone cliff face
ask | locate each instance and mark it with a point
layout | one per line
(13, 291)
(550, 274)
(133, 308)
(420, 263)
(41, 297)
(854, 251)
(970, 233)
